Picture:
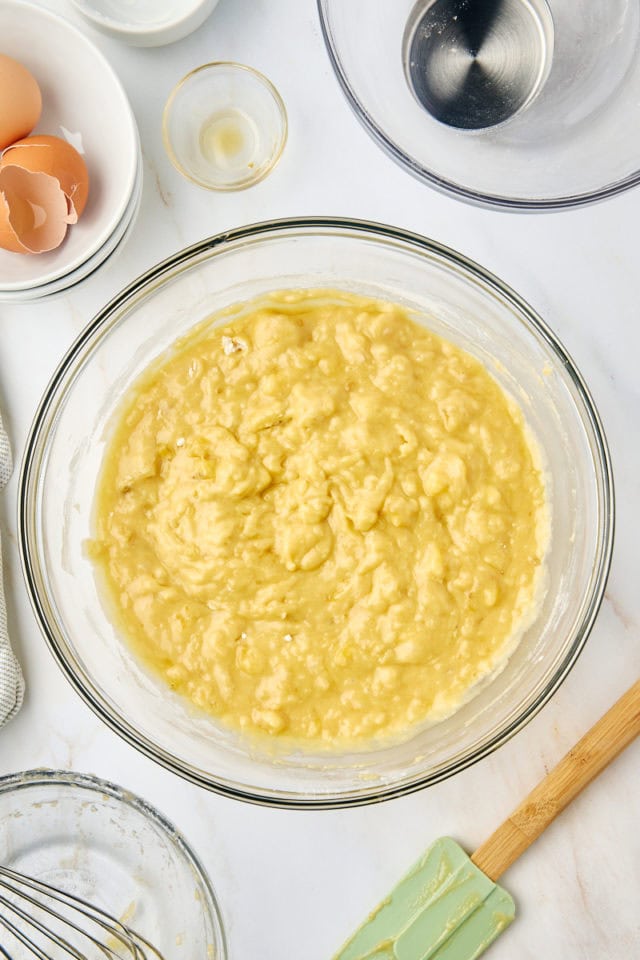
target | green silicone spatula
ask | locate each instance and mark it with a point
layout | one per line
(448, 906)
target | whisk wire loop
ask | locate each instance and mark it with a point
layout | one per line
(36, 924)
(24, 898)
(26, 941)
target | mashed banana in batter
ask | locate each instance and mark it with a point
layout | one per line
(320, 520)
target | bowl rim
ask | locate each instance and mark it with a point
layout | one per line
(442, 183)
(28, 489)
(46, 776)
(262, 172)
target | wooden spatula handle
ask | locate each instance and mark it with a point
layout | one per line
(610, 735)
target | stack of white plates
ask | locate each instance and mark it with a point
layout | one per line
(84, 103)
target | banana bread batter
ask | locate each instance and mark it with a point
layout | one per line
(320, 521)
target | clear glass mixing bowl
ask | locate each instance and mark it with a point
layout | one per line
(578, 140)
(96, 841)
(454, 297)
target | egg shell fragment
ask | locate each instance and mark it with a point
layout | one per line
(34, 211)
(56, 157)
(20, 101)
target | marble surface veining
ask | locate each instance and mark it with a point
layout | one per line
(291, 878)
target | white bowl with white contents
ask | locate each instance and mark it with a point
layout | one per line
(145, 23)
(84, 103)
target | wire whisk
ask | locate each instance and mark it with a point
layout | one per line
(42, 921)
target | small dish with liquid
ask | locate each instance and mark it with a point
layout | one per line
(224, 126)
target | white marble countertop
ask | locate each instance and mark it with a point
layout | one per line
(292, 885)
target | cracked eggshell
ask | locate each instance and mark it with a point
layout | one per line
(34, 211)
(57, 158)
(20, 101)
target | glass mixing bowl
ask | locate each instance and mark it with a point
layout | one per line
(98, 842)
(575, 141)
(454, 297)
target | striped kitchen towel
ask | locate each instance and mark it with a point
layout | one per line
(11, 682)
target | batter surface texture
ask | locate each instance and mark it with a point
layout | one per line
(320, 521)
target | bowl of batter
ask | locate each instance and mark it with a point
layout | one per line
(316, 513)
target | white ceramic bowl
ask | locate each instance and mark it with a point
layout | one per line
(146, 23)
(83, 102)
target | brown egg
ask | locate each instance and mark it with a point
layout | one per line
(34, 211)
(20, 101)
(57, 158)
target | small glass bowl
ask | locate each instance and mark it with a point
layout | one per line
(99, 842)
(224, 126)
